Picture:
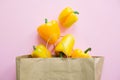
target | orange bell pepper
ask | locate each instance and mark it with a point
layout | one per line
(78, 53)
(68, 17)
(49, 31)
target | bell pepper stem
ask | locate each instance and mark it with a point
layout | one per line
(61, 54)
(46, 20)
(76, 12)
(34, 48)
(89, 49)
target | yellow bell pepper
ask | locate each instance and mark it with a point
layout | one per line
(49, 31)
(41, 51)
(65, 46)
(68, 17)
(78, 53)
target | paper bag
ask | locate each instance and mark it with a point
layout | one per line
(28, 68)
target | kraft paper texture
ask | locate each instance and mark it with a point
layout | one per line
(28, 68)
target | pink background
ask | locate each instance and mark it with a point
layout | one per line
(98, 27)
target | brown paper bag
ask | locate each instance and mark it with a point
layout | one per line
(28, 68)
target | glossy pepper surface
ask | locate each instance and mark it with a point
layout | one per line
(68, 17)
(65, 46)
(78, 53)
(49, 31)
(41, 51)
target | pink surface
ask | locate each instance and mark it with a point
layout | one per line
(98, 27)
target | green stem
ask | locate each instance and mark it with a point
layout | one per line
(46, 20)
(89, 49)
(61, 54)
(76, 12)
(34, 48)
